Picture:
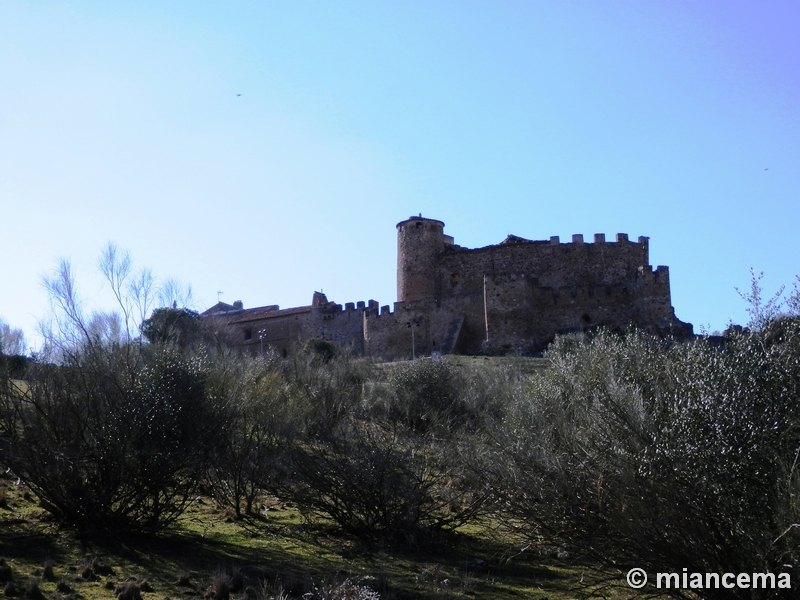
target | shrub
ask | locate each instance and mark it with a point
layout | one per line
(318, 349)
(33, 591)
(219, 588)
(321, 394)
(180, 327)
(661, 456)
(426, 395)
(376, 482)
(251, 447)
(115, 438)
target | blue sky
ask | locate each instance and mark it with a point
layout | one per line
(122, 121)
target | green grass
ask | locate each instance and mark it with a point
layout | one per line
(282, 547)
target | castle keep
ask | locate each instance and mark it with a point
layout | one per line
(513, 297)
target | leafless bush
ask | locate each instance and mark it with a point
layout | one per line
(441, 397)
(115, 437)
(426, 396)
(376, 482)
(12, 341)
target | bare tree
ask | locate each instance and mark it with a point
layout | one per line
(761, 310)
(175, 294)
(12, 341)
(135, 291)
(793, 301)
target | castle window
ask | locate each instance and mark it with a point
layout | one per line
(586, 319)
(248, 334)
(454, 277)
(419, 225)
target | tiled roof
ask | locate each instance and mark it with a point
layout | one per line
(219, 307)
(266, 312)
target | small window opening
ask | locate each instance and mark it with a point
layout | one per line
(248, 334)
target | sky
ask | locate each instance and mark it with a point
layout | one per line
(261, 151)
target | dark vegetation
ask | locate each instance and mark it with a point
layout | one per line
(624, 451)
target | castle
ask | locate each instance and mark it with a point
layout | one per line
(512, 297)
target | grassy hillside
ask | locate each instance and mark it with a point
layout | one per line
(281, 550)
(320, 476)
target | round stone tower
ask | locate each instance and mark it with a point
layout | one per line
(419, 243)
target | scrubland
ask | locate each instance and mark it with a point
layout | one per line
(185, 469)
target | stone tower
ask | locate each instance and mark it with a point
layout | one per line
(419, 242)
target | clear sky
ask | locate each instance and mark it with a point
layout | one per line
(267, 149)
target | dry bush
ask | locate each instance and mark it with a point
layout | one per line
(376, 472)
(377, 482)
(251, 447)
(322, 393)
(427, 396)
(115, 438)
(109, 432)
(662, 456)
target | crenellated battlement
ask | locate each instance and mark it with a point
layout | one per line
(577, 239)
(352, 307)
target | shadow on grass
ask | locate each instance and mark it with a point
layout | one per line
(295, 554)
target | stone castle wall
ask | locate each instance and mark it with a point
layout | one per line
(523, 292)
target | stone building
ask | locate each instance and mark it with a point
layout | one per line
(512, 297)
